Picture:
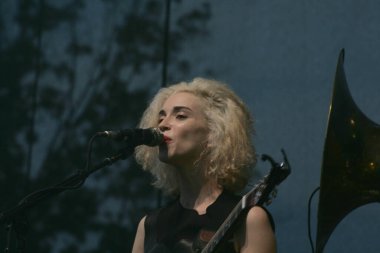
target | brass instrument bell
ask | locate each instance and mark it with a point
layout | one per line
(350, 175)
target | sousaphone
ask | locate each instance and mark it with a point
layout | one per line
(350, 175)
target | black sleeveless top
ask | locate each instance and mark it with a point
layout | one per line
(176, 229)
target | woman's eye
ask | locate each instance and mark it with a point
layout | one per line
(181, 116)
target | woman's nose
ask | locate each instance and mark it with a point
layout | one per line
(164, 125)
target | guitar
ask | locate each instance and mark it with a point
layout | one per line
(259, 195)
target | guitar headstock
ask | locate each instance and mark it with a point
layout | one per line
(279, 171)
(265, 190)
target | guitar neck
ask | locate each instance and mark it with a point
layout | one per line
(257, 196)
(226, 226)
(223, 229)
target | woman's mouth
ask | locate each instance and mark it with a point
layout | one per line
(167, 139)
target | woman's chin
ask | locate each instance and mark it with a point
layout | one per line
(164, 158)
(169, 160)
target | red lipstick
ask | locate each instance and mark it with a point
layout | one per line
(166, 139)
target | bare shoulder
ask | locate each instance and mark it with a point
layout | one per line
(257, 235)
(138, 245)
(257, 216)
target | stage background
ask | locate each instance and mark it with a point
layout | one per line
(71, 69)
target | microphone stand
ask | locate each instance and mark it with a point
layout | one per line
(12, 217)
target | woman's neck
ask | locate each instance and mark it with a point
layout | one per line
(197, 192)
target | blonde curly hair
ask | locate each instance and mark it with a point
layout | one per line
(230, 153)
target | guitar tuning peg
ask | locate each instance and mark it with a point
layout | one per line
(274, 193)
(268, 202)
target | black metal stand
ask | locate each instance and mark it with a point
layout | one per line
(13, 216)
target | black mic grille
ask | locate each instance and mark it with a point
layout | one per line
(150, 136)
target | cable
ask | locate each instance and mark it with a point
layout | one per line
(309, 218)
(165, 60)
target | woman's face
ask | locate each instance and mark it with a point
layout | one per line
(184, 125)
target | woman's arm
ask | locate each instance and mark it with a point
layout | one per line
(257, 236)
(138, 245)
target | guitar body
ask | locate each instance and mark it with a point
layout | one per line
(185, 246)
(182, 246)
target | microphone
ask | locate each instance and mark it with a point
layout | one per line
(149, 136)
